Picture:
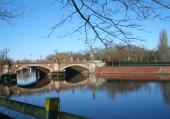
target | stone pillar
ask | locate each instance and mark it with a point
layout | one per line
(92, 67)
(56, 66)
(6, 68)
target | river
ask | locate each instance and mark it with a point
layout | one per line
(104, 99)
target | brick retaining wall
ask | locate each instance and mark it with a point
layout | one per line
(134, 73)
(133, 70)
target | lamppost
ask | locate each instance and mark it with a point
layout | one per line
(6, 52)
(6, 66)
(30, 56)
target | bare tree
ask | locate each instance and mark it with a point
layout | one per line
(109, 20)
(2, 60)
(2, 55)
(8, 10)
(163, 47)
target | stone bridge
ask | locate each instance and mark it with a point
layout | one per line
(49, 66)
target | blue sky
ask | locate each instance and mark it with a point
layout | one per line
(27, 34)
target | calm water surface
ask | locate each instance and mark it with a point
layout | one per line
(108, 99)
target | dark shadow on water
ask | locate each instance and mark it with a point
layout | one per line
(165, 88)
(77, 78)
(74, 76)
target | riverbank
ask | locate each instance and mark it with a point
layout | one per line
(134, 73)
(133, 70)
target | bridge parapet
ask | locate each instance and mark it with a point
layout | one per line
(57, 66)
(33, 62)
(19, 65)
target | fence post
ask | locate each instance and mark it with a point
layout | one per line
(52, 108)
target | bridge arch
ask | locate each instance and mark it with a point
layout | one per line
(78, 67)
(38, 67)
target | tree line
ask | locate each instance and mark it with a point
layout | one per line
(125, 53)
(137, 55)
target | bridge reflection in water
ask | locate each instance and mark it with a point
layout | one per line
(37, 79)
(31, 79)
(91, 91)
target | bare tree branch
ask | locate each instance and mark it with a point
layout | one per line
(111, 20)
(161, 3)
(8, 12)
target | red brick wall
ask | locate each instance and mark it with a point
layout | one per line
(129, 70)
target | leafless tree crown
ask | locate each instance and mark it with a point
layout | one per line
(8, 10)
(163, 47)
(110, 21)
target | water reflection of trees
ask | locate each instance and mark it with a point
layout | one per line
(117, 87)
(165, 88)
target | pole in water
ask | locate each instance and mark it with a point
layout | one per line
(52, 108)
